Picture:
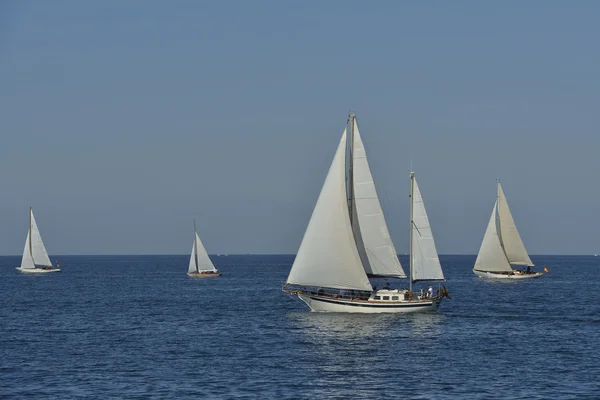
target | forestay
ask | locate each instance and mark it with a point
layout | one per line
(328, 256)
(491, 256)
(511, 240)
(370, 229)
(426, 263)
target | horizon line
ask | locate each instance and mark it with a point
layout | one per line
(263, 254)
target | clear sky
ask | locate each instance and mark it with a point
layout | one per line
(121, 121)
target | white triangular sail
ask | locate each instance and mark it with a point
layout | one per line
(511, 240)
(491, 256)
(38, 251)
(204, 262)
(328, 256)
(27, 260)
(192, 267)
(370, 229)
(426, 263)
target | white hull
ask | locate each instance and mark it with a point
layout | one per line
(199, 275)
(494, 276)
(37, 270)
(328, 304)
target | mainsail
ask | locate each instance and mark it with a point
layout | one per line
(491, 257)
(199, 260)
(426, 263)
(510, 238)
(328, 255)
(373, 239)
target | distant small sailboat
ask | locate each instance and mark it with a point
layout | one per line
(35, 257)
(200, 264)
(502, 246)
(347, 242)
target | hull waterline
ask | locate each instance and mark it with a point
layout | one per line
(328, 304)
(37, 270)
(495, 276)
(198, 275)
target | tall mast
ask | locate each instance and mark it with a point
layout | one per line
(499, 229)
(31, 237)
(351, 118)
(498, 215)
(412, 190)
(498, 198)
(196, 247)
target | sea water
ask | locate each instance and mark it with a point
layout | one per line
(139, 327)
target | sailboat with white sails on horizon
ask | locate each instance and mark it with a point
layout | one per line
(35, 257)
(502, 246)
(200, 264)
(347, 242)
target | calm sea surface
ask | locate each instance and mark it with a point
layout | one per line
(138, 327)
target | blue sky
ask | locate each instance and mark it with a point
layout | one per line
(121, 121)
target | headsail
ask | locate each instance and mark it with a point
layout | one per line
(426, 263)
(370, 229)
(27, 260)
(491, 256)
(328, 256)
(192, 267)
(511, 240)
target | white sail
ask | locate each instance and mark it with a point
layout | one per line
(328, 256)
(204, 262)
(491, 256)
(192, 267)
(373, 239)
(39, 253)
(511, 240)
(27, 260)
(426, 263)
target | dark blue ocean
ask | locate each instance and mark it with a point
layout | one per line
(138, 327)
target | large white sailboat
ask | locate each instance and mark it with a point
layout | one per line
(35, 257)
(200, 264)
(347, 242)
(502, 246)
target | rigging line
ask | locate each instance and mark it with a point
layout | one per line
(417, 228)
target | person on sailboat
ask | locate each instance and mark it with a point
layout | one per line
(430, 292)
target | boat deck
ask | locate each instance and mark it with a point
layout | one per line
(385, 296)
